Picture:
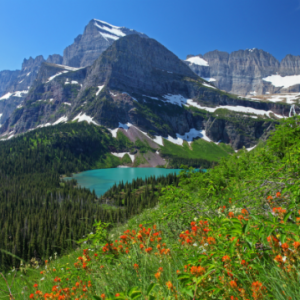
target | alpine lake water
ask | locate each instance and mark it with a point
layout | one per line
(102, 180)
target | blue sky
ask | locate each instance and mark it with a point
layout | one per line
(35, 27)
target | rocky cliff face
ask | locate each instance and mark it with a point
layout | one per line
(97, 37)
(244, 72)
(16, 85)
(55, 59)
(139, 81)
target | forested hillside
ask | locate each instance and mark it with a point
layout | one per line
(39, 213)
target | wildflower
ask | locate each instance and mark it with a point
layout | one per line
(169, 285)
(244, 211)
(278, 258)
(117, 295)
(193, 224)
(296, 245)
(269, 198)
(35, 285)
(177, 272)
(233, 284)
(197, 271)
(95, 254)
(285, 246)
(225, 258)
(142, 246)
(31, 296)
(243, 262)
(157, 275)
(230, 214)
(148, 250)
(136, 266)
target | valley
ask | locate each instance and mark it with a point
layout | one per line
(129, 173)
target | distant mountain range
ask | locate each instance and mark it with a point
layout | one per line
(119, 78)
(248, 72)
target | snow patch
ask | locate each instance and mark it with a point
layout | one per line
(68, 68)
(209, 79)
(67, 103)
(189, 137)
(251, 148)
(6, 96)
(54, 76)
(198, 61)
(63, 119)
(110, 31)
(235, 108)
(28, 74)
(121, 155)
(83, 117)
(19, 93)
(113, 132)
(284, 82)
(100, 87)
(208, 85)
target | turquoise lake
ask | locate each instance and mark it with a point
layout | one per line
(103, 179)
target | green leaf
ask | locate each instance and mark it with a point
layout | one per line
(150, 288)
(287, 216)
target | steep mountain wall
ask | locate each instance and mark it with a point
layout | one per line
(244, 72)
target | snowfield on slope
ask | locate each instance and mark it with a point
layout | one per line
(198, 61)
(121, 155)
(284, 82)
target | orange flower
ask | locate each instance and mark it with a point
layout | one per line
(278, 258)
(177, 272)
(95, 254)
(243, 262)
(169, 285)
(269, 198)
(244, 211)
(233, 284)
(197, 271)
(211, 240)
(157, 275)
(225, 258)
(136, 266)
(31, 296)
(296, 245)
(230, 214)
(278, 194)
(148, 250)
(117, 295)
(285, 246)
(142, 246)
(35, 285)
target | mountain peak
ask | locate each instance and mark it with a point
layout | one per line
(98, 35)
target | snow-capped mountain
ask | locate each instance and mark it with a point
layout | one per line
(138, 83)
(97, 37)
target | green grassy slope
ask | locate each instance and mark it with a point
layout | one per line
(230, 233)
